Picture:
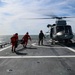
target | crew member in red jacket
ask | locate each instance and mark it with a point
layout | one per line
(14, 41)
(25, 39)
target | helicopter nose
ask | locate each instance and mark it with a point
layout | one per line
(59, 34)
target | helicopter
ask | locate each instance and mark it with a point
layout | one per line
(60, 31)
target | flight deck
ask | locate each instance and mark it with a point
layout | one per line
(37, 59)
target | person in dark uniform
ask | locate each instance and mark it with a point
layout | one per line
(41, 36)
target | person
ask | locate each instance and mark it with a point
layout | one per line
(41, 36)
(25, 39)
(14, 42)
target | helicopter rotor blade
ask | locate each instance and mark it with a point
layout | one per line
(47, 16)
(58, 17)
(38, 18)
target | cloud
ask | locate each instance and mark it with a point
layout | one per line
(13, 14)
(2, 3)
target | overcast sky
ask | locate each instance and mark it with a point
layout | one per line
(13, 14)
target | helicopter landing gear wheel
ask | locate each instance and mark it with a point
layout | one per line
(53, 42)
(68, 41)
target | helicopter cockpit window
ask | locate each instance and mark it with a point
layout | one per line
(60, 28)
(66, 29)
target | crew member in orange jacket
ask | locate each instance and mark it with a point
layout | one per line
(14, 41)
(25, 39)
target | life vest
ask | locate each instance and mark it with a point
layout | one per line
(13, 40)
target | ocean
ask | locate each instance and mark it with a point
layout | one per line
(6, 38)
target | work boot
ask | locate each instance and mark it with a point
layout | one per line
(12, 51)
(25, 47)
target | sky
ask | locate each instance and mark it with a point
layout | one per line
(14, 14)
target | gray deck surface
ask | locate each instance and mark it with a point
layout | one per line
(37, 60)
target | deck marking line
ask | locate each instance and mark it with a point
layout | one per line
(68, 56)
(71, 49)
(34, 44)
(4, 48)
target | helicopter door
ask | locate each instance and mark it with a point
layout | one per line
(51, 33)
(68, 30)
